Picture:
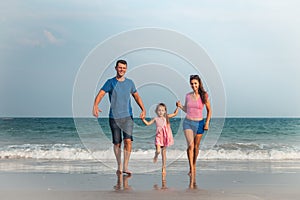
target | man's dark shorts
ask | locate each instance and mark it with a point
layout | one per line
(121, 126)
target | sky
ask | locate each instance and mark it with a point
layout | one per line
(254, 45)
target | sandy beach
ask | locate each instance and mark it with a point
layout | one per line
(206, 185)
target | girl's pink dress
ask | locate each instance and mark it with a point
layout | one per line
(164, 136)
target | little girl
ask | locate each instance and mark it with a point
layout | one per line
(164, 136)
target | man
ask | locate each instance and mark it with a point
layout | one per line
(119, 89)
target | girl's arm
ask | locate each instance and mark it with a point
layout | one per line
(148, 122)
(174, 113)
(209, 111)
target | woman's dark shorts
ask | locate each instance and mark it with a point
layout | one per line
(196, 126)
(119, 126)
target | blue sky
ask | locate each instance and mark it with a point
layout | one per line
(254, 45)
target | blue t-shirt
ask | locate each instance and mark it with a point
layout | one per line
(119, 97)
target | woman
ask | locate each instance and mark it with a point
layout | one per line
(194, 124)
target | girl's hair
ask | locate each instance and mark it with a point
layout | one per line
(166, 114)
(201, 90)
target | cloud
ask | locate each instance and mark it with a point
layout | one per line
(51, 38)
(40, 40)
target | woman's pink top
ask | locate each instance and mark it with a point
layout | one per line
(194, 107)
(164, 136)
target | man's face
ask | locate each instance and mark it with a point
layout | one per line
(121, 69)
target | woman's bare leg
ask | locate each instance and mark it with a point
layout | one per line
(189, 135)
(197, 141)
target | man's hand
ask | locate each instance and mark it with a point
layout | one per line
(96, 111)
(143, 115)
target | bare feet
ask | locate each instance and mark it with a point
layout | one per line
(192, 172)
(118, 172)
(127, 172)
(155, 156)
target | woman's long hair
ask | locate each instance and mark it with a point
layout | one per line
(166, 114)
(202, 92)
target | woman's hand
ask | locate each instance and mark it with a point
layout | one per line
(178, 104)
(206, 126)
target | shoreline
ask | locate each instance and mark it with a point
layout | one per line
(180, 166)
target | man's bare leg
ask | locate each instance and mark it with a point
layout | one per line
(127, 152)
(117, 151)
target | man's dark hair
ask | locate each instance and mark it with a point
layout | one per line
(122, 62)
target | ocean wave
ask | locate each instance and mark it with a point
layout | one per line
(78, 152)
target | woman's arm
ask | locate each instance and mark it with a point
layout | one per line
(208, 116)
(179, 105)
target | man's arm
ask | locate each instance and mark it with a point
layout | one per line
(139, 101)
(98, 99)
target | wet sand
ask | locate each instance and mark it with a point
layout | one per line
(205, 185)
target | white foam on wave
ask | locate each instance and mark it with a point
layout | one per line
(71, 152)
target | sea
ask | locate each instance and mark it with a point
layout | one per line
(83, 145)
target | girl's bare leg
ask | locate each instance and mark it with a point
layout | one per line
(164, 159)
(157, 152)
(163, 182)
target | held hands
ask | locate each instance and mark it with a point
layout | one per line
(178, 104)
(143, 115)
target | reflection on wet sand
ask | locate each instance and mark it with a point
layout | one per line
(163, 183)
(122, 183)
(193, 184)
